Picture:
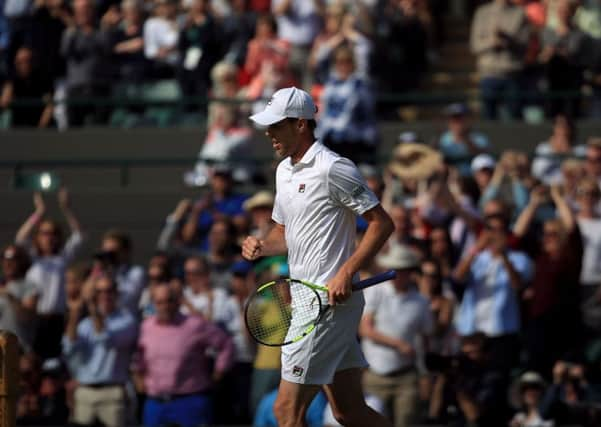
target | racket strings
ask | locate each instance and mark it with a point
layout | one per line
(270, 313)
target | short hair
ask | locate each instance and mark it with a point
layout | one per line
(201, 260)
(501, 218)
(21, 256)
(121, 237)
(594, 142)
(81, 270)
(269, 19)
(173, 295)
(108, 278)
(477, 338)
(589, 184)
(344, 50)
(222, 69)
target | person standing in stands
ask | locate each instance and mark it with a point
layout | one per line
(499, 37)
(86, 49)
(116, 261)
(98, 350)
(50, 255)
(178, 377)
(395, 317)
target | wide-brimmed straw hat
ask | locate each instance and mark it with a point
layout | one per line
(259, 200)
(415, 161)
(398, 257)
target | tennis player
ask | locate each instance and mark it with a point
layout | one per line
(318, 195)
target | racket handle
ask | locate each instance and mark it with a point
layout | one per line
(374, 280)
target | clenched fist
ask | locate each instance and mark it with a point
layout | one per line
(252, 248)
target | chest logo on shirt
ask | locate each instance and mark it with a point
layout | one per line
(301, 188)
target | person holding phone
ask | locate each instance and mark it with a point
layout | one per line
(493, 276)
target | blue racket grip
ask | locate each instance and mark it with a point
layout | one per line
(374, 280)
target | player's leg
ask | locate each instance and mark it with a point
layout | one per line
(292, 403)
(348, 403)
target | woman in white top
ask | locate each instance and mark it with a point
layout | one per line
(18, 296)
(50, 255)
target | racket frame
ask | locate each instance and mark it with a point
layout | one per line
(323, 308)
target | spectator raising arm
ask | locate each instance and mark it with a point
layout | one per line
(563, 209)
(172, 223)
(64, 201)
(24, 233)
(524, 221)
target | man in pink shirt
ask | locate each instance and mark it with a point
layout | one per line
(172, 361)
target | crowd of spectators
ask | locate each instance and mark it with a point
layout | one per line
(493, 319)
(65, 63)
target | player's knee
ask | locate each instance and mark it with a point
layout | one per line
(287, 413)
(282, 409)
(350, 415)
(341, 417)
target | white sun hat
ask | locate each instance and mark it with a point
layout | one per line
(289, 102)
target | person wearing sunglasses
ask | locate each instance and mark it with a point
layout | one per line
(552, 301)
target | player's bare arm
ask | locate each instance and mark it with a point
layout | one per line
(379, 228)
(273, 244)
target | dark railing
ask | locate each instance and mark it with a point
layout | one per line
(176, 100)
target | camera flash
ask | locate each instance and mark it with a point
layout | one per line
(45, 181)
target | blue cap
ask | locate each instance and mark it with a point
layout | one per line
(457, 109)
(241, 267)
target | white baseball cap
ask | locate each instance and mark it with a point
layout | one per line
(286, 103)
(483, 161)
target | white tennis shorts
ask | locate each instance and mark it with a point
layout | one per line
(333, 346)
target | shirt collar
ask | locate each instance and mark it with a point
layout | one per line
(309, 155)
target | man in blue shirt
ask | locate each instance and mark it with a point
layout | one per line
(98, 350)
(494, 276)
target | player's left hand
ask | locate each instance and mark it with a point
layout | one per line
(339, 288)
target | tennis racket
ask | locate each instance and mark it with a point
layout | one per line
(271, 308)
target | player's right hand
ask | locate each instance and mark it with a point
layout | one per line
(252, 248)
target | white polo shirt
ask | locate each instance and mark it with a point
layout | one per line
(317, 200)
(399, 315)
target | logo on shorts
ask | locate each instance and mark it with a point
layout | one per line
(297, 371)
(301, 188)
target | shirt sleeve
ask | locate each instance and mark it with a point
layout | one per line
(523, 265)
(277, 214)
(72, 245)
(347, 187)
(123, 334)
